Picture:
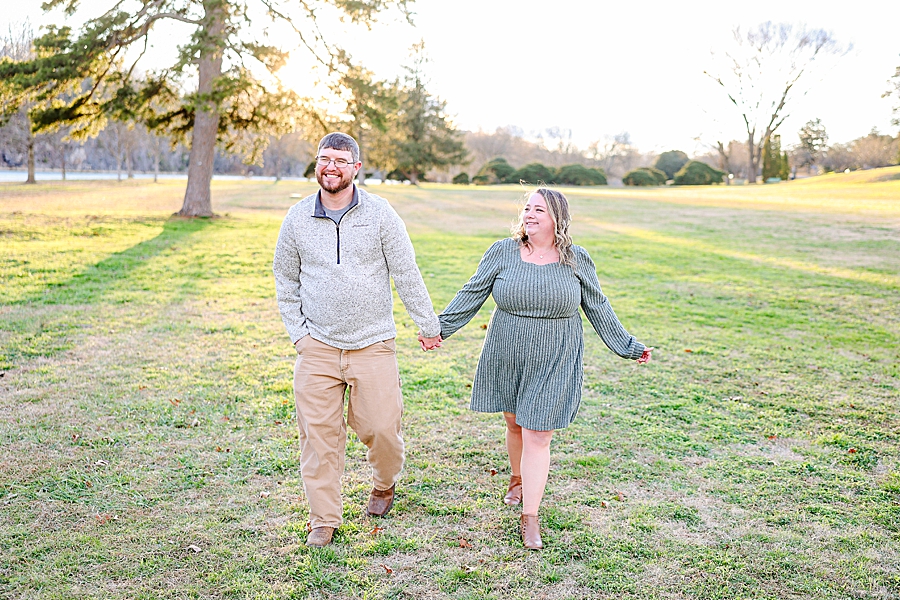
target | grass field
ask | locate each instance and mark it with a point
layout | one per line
(148, 446)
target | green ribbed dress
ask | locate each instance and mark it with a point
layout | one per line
(531, 362)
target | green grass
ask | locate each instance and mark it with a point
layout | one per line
(146, 407)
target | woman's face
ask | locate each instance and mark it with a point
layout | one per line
(537, 219)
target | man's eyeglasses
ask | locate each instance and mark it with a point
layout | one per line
(340, 163)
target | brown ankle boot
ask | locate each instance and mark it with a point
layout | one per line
(320, 537)
(531, 532)
(514, 491)
(380, 502)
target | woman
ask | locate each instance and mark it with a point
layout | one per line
(530, 367)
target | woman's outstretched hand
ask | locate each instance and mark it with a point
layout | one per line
(645, 357)
(430, 343)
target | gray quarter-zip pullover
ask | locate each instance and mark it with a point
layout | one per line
(333, 280)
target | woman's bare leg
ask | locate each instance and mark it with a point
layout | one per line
(535, 468)
(513, 444)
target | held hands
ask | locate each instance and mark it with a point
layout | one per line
(430, 343)
(645, 357)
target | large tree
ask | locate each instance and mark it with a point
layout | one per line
(421, 136)
(768, 66)
(368, 106)
(221, 65)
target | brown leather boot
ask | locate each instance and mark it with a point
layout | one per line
(380, 502)
(514, 491)
(531, 532)
(320, 536)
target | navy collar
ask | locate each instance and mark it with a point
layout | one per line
(320, 210)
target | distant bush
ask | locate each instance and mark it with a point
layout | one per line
(496, 170)
(671, 162)
(660, 176)
(461, 178)
(644, 176)
(698, 173)
(580, 175)
(534, 173)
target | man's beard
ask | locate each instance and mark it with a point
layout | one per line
(334, 187)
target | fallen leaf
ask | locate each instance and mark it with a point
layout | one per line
(493, 472)
(195, 548)
(387, 569)
(225, 419)
(852, 450)
(175, 401)
(484, 326)
(688, 350)
(75, 437)
(218, 448)
(464, 543)
(102, 519)
(773, 437)
(377, 530)
(604, 504)
(88, 483)
(264, 494)
(142, 387)
(278, 422)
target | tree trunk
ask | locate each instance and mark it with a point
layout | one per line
(129, 167)
(30, 143)
(197, 196)
(754, 158)
(724, 162)
(156, 162)
(62, 160)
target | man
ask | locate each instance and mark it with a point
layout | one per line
(336, 254)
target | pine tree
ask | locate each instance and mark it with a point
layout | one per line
(772, 160)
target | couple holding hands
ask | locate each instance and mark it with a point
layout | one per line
(337, 251)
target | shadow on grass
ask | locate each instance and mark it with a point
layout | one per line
(131, 275)
(129, 271)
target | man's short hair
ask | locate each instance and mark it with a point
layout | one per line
(341, 141)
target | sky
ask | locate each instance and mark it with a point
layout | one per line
(600, 68)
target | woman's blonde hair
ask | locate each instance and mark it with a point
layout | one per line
(558, 207)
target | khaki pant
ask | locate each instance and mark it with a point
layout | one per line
(321, 376)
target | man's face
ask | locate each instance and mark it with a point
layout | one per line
(332, 178)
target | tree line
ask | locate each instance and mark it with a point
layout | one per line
(79, 99)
